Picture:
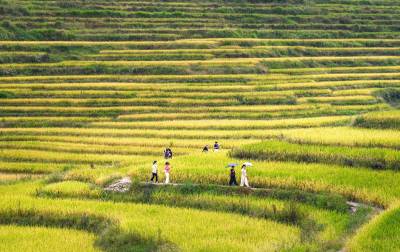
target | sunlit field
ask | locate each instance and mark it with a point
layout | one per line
(93, 92)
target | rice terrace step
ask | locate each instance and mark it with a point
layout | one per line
(246, 125)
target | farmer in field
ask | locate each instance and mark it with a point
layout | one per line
(154, 172)
(216, 146)
(167, 153)
(232, 180)
(243, 179)
(205, 149)
(167, 169)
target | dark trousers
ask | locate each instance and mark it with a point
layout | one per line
(154, 175)
(233, 181)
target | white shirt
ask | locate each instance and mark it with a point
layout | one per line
(244, 173)
(154, 168)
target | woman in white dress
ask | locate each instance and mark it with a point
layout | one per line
(243, 179)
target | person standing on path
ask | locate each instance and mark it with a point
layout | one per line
(243, 179)
(233, 181)
(167, 169)
(154, 172)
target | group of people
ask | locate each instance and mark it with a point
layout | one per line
(243, 179)
(154, 172)
(168, 153)
(216, 147)
(167, 168)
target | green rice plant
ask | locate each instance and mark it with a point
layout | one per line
(354, 70)
(33, 168)
(379, 120)
(145, 142)
(214, 198)
(345, 136)
(229, 124)
(83, 148)
(363, 184)
(340, 100)
(13, 177)
(376, 158)
(23, 57)
(378, 235)
(6, 94)
(46, 239)
(71, 188)
(133, 221)
(13, 155)
(94, 91)
(32, 122)
(390, 95)
(351, 92)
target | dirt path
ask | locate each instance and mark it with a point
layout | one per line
(123, 185)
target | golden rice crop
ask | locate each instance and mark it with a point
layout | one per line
(131, 141)
(45, 239)
(227, 124)
(134, 218)
(7, 177)
(346, 136)
(85, 148)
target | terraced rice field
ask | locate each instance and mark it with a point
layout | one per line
(94, 91)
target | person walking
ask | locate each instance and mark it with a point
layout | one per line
(167, 169)
(232, 180)
(243, 179)
(154, 172)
